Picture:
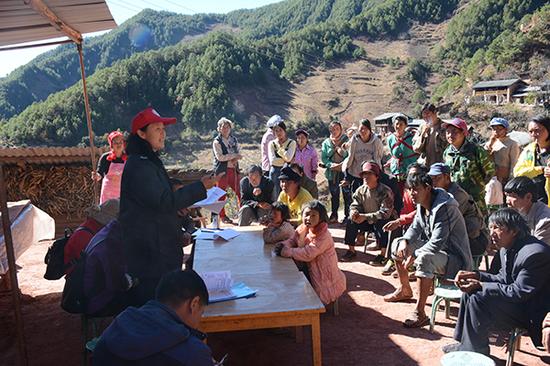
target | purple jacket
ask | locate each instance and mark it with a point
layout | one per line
(104, 279)
(308, 159)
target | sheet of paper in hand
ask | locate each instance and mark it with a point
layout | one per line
(213, 201)
(221, 287)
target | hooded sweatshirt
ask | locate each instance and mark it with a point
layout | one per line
(151, 335)
(359, 152)
(443, 230)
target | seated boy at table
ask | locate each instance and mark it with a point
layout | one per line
(278, 227)
(312, 243)
(163, 331)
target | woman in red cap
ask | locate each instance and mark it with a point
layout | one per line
(110, 167)
(151, 230)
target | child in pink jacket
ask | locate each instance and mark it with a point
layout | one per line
(313, 244)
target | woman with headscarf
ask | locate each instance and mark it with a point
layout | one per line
(110, 167)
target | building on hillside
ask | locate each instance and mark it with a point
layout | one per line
(497, 91)
(533, 95)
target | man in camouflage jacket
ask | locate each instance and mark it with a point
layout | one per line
(471, 166)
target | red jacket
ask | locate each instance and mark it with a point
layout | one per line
(79, 240)
(409, 209)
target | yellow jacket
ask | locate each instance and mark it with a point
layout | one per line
(525, 167)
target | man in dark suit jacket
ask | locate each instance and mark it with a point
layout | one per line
(518, 296)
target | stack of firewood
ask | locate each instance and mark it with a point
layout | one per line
(59, 190)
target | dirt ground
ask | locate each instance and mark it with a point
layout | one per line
(367, 331)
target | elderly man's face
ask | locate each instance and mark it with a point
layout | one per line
(502, 236)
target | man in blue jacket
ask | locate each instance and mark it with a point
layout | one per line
(517, 297)
(163, 331)
(151, 232)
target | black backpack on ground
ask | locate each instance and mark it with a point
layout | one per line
(55, 256)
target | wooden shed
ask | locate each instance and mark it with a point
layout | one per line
(496, 91)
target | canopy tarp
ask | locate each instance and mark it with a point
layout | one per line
(23, 21)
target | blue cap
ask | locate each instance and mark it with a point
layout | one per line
(497, 121)
(439, 168)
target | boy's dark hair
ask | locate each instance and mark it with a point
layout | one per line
(521, 186)
(429, 107)
(319, 207)
(280, 124)
(255, 169)
(365, 122)
(179, 286)
(418, 167)
(283, 209)
(419, 179)
(543, 120)
(512, 220)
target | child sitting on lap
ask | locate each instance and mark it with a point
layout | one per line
(312, 243)
(278, 226)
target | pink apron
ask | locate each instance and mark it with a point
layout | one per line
(110, 186)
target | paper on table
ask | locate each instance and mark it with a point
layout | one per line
(220, 287)
(213, 234)
(212, 201)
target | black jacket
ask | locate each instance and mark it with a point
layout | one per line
(248, 198)
(148, 212)
(526, 282)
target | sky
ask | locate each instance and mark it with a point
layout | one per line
(125, 9)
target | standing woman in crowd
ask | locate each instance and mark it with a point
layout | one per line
(401, 150)
(281, 151)
(266, 140)
(151, 231)
(332, 156)
(364, 146)
(306, 155)
(430, 140)
(503, 149)
(226, 160)
(110, 167)
(534, 160)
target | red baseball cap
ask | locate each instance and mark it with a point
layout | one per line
(148, 116)
(458, 123)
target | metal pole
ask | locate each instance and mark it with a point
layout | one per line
(88, 119)
(8, 242)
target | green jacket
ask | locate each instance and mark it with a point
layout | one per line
(329, 155)
(471, 167)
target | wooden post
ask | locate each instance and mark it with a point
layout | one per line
(14, 286)
(88, 119)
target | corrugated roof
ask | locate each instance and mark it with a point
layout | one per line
(20, 23)
(47, 155)
(496, 83)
